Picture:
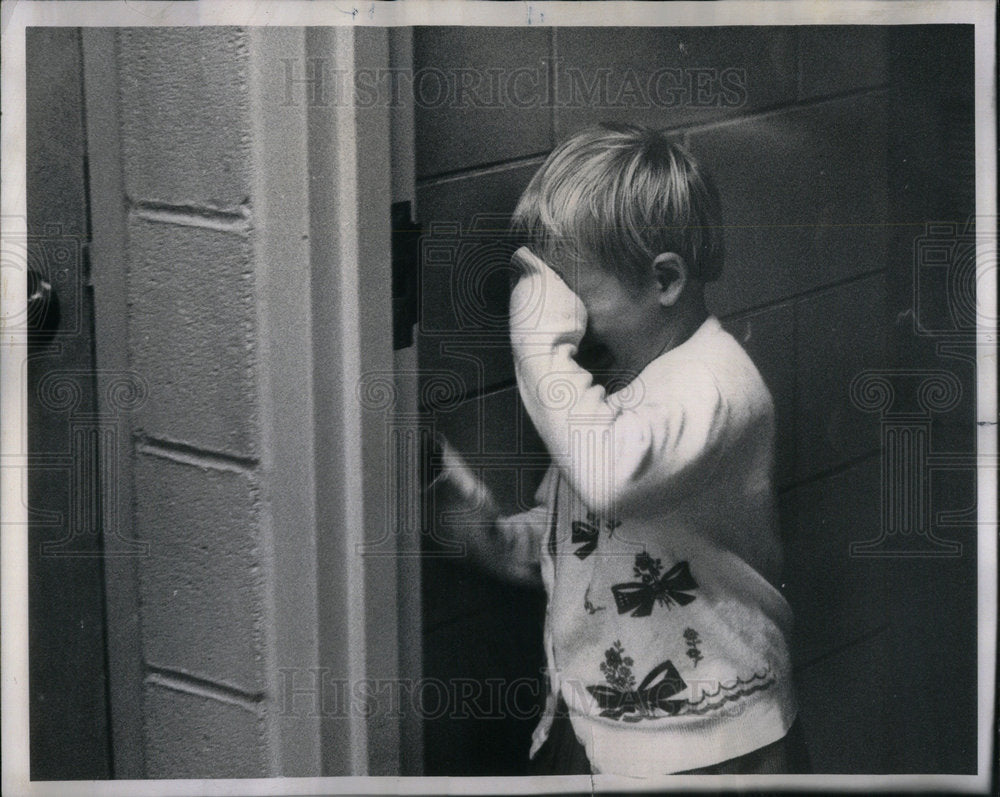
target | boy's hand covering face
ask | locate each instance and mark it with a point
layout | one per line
(527, 262)
(542, 305)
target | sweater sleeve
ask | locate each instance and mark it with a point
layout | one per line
(614, 449)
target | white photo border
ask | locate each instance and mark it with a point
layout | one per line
(16, 16)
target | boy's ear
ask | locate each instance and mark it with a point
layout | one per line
(671, 275)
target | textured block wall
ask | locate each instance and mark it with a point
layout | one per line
(816, 190)
(251, 222)
(193, 336)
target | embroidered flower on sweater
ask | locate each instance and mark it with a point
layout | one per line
(617, 668)
(693, 640)
(647, 568)
(621, 699)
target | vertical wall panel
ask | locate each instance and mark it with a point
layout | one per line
(285, 477)
(109, 255)
(839, 58)
(479, 95)
(841, 332)
(804, 198)
(670, 76)
(67, 653)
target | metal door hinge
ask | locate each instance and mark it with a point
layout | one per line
(405, 275)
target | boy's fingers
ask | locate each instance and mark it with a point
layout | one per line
(459, 475)
(526, 263)
(453, 462)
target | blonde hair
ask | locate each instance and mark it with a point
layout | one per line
(623, 194)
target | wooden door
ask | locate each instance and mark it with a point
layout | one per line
(69, 733)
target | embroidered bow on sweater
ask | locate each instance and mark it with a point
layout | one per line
(673, 587)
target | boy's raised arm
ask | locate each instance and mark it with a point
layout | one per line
(611, 452)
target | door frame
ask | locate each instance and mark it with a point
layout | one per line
(363, 617)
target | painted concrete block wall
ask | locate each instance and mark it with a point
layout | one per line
(723, 72)
(192, 325)
(202, 736)
(816, 274)
(249, 219)
(186, 133)
(804, 196)
(466, 273)
(202, 586)
(204, 202)
(185, 120)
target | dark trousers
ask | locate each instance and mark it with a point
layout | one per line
(562, 754)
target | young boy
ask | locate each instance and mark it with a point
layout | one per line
(655, 534)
